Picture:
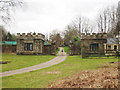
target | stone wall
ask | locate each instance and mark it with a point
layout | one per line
(8, 48)
(74, 50)
(49, 49)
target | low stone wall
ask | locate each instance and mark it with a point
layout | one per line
(49, 50)
(75, 50)
(8, 48)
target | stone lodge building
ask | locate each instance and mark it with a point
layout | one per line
(30, 43)
(93, 44)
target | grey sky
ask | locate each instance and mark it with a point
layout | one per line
(46, 15)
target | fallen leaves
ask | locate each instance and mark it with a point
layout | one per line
(106, 77)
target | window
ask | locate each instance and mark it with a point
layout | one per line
(28, 46)
(94, 47)
(109, 46)
(115, 47)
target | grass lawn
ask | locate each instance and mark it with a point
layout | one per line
(21, 61)
(42, 78)
(67, 49)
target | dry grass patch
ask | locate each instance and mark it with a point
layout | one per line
(100, 78)
(53, 72)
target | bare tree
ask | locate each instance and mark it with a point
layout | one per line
(70, 31)
(6, 8)
(76, 27)
(100, 23)
(87, 26)
(56, 37)
(82, 25)
(107, 19)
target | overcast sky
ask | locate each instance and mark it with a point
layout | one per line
(44, 16)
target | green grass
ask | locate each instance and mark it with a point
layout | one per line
(21, 61)
(57, 50)
(67, 49)
(39, 78)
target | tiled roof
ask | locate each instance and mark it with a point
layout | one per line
(112, 41)
(9, 42)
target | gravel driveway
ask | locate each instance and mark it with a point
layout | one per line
(61, 56)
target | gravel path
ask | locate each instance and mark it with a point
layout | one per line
(61, 57)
